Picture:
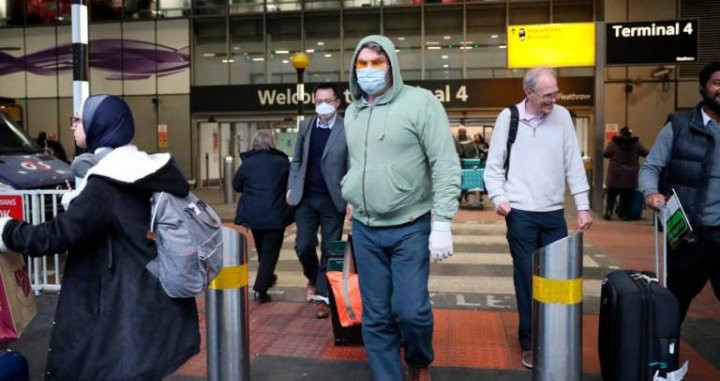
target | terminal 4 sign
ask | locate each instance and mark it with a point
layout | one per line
(651, 42)
(453, 94)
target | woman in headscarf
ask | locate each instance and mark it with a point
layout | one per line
(113, 320)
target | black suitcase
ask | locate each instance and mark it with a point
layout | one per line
(343, 335)
(13, 366)
(639, 331)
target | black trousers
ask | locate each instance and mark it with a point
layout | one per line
(267, 244)
(625, 200)
(312, 213)
(692, 265)
(527, 232)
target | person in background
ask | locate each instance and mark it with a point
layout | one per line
(57, 149)
(113, 320)
(480, 145)
(403, 184)
(262, 180)
(624, 152)
(318, 165)
(530, 192)
(686, 158)
(464, 146)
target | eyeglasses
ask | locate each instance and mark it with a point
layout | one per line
(74, 120)
(375, 64)
(548, 97)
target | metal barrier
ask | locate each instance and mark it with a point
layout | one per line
(39, 206)
(557, 310)
(228, 190)
(226, 305)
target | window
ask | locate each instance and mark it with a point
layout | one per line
(403, 26)
(283, 39)
(486, 40)
(246, 6)
(358, 23)
(212, 7)
(443, 42)
(322, 44)
(247, 46)
(210, 60)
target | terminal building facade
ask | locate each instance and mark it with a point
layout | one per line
(201, 76)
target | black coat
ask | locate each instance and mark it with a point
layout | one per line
(113, 319)
(262, 180)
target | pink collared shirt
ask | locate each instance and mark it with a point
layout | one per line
(533, 120)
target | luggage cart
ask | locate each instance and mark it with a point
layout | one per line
(472, 184)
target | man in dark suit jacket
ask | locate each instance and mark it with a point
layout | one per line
(318, 165)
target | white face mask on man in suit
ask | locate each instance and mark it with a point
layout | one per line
(325, 110)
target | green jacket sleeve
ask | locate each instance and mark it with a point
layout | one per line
(442, 158)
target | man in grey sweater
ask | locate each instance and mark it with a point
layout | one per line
(530, 192)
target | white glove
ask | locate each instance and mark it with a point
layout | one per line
(3, 221)
(440, 242)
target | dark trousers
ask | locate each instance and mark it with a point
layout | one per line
(625, 200)
(691, 265)
(393, 265)
(527, 232)
(312, 213)
(267, 244)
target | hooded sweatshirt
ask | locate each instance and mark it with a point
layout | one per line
(403, 162)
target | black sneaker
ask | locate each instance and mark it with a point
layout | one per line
(261, 297)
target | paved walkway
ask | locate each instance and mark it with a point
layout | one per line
(475, 318)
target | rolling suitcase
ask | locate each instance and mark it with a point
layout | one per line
(343, 335)
(639, 331)
(13, 366)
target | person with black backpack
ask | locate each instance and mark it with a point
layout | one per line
(528, 187)
(113, 320)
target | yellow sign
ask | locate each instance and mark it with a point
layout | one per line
(553, 291)
(554, 45)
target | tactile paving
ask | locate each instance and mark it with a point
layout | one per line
(299, 346)
(344, 353)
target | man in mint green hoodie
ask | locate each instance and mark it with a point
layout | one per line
(403, 185)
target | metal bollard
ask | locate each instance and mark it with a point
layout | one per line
(228, 341)
(228, 188)
(557, 310)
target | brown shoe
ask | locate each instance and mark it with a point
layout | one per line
(527, 359)
(418, 374)
(322, 311)
(310, 292)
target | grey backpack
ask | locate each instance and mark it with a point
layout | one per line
(189, 244)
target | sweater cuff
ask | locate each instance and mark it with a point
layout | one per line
(582, 201)
(649, 191)
(497, 200)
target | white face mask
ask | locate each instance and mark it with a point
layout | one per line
(324, 109)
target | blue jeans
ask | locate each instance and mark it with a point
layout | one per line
(312, 213)
(527, 232)
(393, 265)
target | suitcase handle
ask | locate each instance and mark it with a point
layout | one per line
(656, 216)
